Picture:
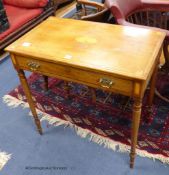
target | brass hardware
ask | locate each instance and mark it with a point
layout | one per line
(33, 65)
(106, 82)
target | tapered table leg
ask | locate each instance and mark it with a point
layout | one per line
(29, 98)
(135, 126)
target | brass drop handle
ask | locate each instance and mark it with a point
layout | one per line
(33, 65)
(106, 82)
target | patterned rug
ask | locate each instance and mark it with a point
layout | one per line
(106, 122)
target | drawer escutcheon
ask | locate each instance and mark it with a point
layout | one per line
(33, 65)
(106, 82)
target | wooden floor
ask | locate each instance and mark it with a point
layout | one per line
(61, 11)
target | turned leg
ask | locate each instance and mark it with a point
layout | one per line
(29, 98)
(135, 126)
(45, 82)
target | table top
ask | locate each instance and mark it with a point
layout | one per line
(120, 50)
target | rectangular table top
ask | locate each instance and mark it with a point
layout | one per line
(115, 49)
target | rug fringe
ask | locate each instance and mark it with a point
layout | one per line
(4, 157)
(85, 133)
(13, 102)
(106, 142)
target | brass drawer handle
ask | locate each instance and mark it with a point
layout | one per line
(33, 65)
(106, 82)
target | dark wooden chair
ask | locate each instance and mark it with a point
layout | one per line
(150, 14)
(100, 12)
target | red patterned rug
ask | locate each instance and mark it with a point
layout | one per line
(108, 123)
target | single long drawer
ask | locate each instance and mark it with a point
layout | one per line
(66, 72)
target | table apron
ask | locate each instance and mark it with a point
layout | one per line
(66, 72)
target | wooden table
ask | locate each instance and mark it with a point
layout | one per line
(110, 57)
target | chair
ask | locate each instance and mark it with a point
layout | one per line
(101, 13)
(151, 14)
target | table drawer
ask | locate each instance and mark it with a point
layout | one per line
(66, 72)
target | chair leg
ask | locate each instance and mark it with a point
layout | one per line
(67, 89)
(108, 96)
(166, 66)
(45, 82)
(166, 54)
(93, 93)
(160, 96)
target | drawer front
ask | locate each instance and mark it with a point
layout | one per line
(93, 79)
